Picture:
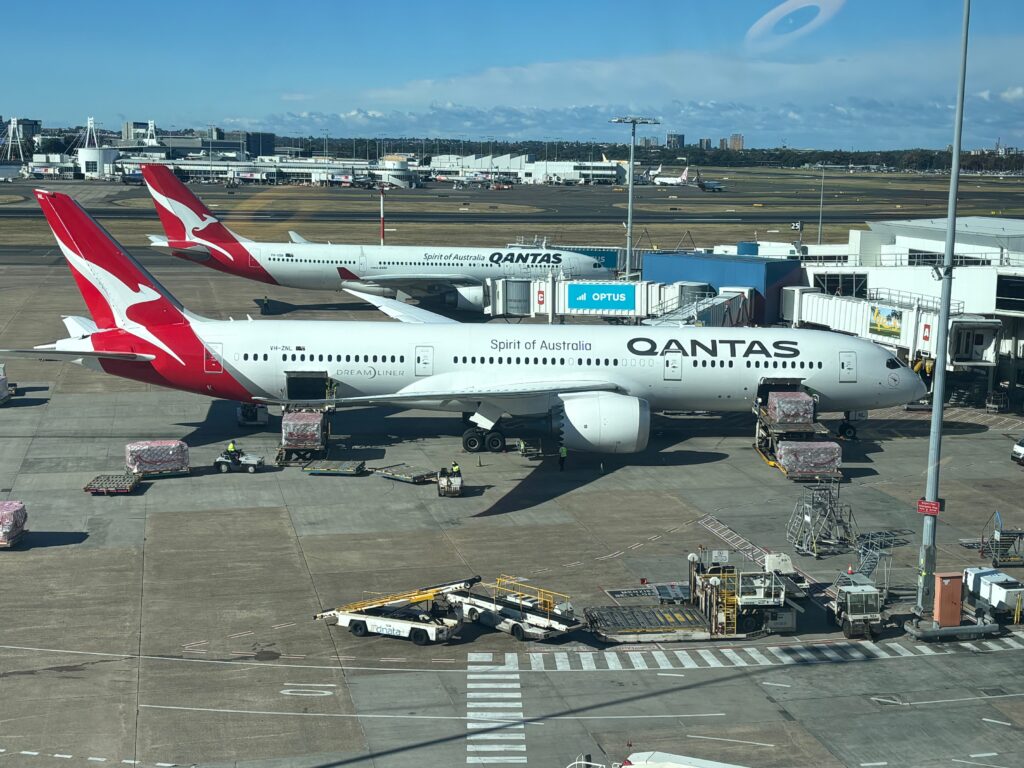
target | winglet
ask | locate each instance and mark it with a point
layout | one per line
(296, 238)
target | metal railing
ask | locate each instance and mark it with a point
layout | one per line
(697, 300)
(916, 259)
(909, 300)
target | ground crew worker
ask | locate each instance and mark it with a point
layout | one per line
(456, 469)
(232, 451)
(562, 453)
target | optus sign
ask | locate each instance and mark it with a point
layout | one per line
(602, 296)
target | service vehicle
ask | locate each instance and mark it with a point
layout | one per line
(517, 608)
(855, 604)
(242, 462)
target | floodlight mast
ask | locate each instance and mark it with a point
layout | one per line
(633, 121)
(926, 564)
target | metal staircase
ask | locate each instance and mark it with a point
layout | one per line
(733, 539)
(820, 524)
(727, 593)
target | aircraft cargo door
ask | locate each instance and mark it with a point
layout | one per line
(673, 366)
(424, 361)
(847, 367)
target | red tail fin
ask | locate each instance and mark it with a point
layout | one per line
(119, 292)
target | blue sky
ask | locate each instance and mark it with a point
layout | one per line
(860, 74)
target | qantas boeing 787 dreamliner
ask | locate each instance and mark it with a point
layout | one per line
(455, 274)
(598, 384)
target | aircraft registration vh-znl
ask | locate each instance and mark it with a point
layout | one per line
(598, 385)
(457, 275)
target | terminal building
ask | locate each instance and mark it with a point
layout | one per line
(525, 169)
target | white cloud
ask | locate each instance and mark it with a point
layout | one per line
(1016, 93)
(985, 95)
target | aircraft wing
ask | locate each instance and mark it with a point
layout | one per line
(482, 391)
(295, 237)
(413, 281)
(399, 310)
(67, 355)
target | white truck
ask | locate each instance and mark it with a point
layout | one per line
(522, 610)
(418, 615)
(855, 604)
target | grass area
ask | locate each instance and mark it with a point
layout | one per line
(8, 199)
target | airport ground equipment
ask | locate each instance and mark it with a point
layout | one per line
(111, 485)
(993, 596)
(156, 458)
(855, 604)
(420, 615)
(246, 462)
(304, 436)
(251, 415)
(449, 483)
(13, 517)
(335, 468)
(821, 525)
(405, 473)
(795, 581)
(788, 437)
(1002, 545)
(522, 610)
(647, 623)
(8, 389)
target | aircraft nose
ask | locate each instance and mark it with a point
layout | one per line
(914, 386)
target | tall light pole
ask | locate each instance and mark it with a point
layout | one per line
(634, 122)
(926, 564)
(821, 202)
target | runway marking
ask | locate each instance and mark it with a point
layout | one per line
(685, 659)
(478, 760)
(967, 698)
(611, 659)
(516, 686)
(671, 674)
(987, 765)
(495, 747)
(777, 685)
(635, 546)
(497, 736)
(282, 626)
(26, 752)
(899, 649)
(637, 660)
(494, 694)
(198, 642)
(313, 685)
(587, 661)
(709, 657)
(572, 565)
(734, 657)
(996, 722)
(662, 660)
(869, 765)
(191, 650)
(734, 741)
(240, 634)
(980, 754)
(442, 661)
(397, 658)
(493, 676)
(97, 759)
(562, 661)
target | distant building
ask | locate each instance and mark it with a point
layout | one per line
(134, 130)
(704, 143)
(675, 140)
(723, 143)
(253, 143)
(648, 141)
(736, 142)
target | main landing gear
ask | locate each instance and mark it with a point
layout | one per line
(477, 440)
(846, 430)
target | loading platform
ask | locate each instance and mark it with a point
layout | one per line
(335, 468)
(647, 623)
(109, 485)
(404, 473)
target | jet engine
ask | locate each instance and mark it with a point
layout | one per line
(604, 422)
(466, 297)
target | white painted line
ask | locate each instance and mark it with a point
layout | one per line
(276, 626)
(734, 741)
(510, 759)
(758, 657)
(611, 659)
(734, 657)
(661, 659)
(562, 661)
(654, 538)
(97, 759)
(804, 654)
(504, 726)
(993, 645)
(130, 762)
(685, 659)
(671, 674)
(587, 661)
(882, 700)
(232, 637)
(830, 653)
(495, 676)
(710, 658)
(979, 754)
(166, 765)
(480, 657)
(515, 686)
(874, 649)
(26, 752)
(996, 722)
(970, 647)
(494, 695)
(901, 650)
(1011, 642)
(442, 661)
(495, 747)
(497, 736)
(635, 546)
(969, 698)
(781, 655)
(869, 765)
(197, 642)
(517, 715)
(777, 685)
(394, 658)
(293, 655)
(313, 685)
(193, 650)
(490, 704)
(537, 661)
(986, 765)
(925, 650)
(636, 659)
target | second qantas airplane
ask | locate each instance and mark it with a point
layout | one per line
(455, 274)
(598, 385)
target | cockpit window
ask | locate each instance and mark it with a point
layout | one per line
(894, 363)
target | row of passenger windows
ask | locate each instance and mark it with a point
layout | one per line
(332, 358)
(758, 364)
(592, 361)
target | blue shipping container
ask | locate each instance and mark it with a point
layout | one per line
(766, 276)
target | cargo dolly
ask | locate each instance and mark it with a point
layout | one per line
(109, 485)
(421, 615)
(769, 434)
(335, 468)
(12, 542)
(405, 473)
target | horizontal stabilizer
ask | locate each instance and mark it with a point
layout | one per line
(68, 355)
(407, 313)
